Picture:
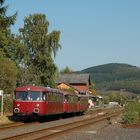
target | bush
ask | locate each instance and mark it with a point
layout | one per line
(7, 105)
(132, 113)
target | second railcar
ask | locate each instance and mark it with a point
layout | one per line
(83, 103)
(70, 103)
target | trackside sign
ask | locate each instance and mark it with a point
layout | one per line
(1, 92)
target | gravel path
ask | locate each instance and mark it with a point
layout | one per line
(115, 132)
(103, 131)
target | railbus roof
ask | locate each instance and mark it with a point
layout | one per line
(37, 88)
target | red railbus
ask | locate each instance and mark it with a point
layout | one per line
(37, 101)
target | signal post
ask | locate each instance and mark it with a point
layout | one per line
(1, 95)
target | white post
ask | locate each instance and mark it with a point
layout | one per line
(1, 94)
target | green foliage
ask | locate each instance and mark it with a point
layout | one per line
(115, 97)
(115, 77)
(40, 47)
(5, 21)
(106, 99)
(8, 75)
(8, 68)
(7, 39)
(70, 90)
(92, 87)
(28, 56)
(7, 104)
(132, 113)
(66, 70)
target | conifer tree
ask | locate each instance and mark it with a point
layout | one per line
(8, 68)
(7, 39)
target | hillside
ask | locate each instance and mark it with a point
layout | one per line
(115, 76)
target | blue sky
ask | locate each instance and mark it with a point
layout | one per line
(93, 32)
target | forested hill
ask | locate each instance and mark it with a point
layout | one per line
(115, 76)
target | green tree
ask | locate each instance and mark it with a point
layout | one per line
(66, 70)
(40, 49)
(8, 74)
(8, 68)
(7, 39)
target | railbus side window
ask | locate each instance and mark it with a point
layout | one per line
(66, 98)
(78, 98)
(60, 97)
(49, 96)
(44, 96)
(70, 99)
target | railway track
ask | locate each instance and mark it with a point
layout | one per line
(20, 124)
(15, 125)
(52, 132)
(10, 125)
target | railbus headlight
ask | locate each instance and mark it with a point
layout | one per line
(36, 110)
(16, 110)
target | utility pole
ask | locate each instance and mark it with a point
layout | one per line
(1, 94)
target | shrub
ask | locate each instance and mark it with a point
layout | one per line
(132, 113)
(7, 105)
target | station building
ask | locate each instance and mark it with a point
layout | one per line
(78, 82)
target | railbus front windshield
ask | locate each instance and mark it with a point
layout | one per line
(28, 96)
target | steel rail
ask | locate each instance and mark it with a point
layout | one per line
(79, 125)
(19, 124)
(15, 125)
(48, 133)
